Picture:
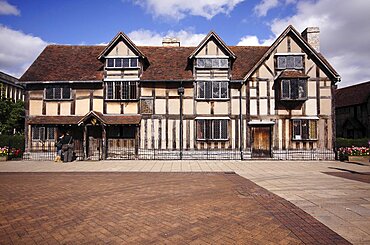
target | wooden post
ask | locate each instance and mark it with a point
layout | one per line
(104, 143)
(137, 139)
(85, 142)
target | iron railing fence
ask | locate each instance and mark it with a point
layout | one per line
(298, 154)
(128, 149)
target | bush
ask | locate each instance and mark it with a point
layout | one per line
(343, 142)
(12, 141)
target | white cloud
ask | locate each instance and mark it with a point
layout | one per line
(263, 7)
(178, 9)
(254, 41)
(18, 50)
(8, 9)
(149, 38)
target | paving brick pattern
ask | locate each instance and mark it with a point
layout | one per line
(147, 208)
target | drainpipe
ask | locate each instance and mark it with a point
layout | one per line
(241, 122)
(181, 93)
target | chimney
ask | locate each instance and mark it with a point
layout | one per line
(312, 36)
(171, 42)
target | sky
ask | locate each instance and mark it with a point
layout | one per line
(26, 26)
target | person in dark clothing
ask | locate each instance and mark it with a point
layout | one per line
(59, 145)
(67, 147)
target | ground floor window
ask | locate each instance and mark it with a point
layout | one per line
(212, 129)
(43, 133)
(121, 132)
(304, 129)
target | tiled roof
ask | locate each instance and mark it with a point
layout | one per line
(122, 119)
(353, 95)
(8, 79)
(66, 120)
(292, 74)
(66, 63)
(57, 120)
(167, 63)
(80, 63)
(246, 58)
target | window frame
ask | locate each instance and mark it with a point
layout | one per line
(211, 61)
(290, 55)
(129, 94)
(290, 81)
(44, 136)
(122, 62)
(62, 88)
(309, 122)
(209, 124)
(208, 87)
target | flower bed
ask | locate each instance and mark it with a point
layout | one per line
(9, 154)
(345, 152)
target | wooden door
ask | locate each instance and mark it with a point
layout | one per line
(94, 143)
(261, 142)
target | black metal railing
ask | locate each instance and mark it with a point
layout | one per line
(129, 149)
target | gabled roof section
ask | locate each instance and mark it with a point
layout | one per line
(317, 57)
(212, 35)
(94, 114)
(121, 37)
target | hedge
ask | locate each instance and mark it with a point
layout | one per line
(343, 142)
(13, 141)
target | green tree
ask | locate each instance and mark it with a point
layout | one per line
(11, 116)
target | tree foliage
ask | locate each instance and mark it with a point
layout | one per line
(11, 116)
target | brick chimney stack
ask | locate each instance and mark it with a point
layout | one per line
(312, 36)
(171, 42)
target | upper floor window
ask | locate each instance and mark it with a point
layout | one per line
(293, 89)
(304, 129)
(213, 89)
(58, 93)
(212, 63)
(43, 133)
(289, 62)
(122, 62)
(212, 129)
(121, 90)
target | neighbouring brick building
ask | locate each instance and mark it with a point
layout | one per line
(123, 101)
(10, 88)
(352, 110)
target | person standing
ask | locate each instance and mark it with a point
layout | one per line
(67, 147)
(58, 145)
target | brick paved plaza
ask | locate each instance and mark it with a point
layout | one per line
(146, 208)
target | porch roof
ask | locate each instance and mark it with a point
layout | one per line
(54, 120)
(70, 120)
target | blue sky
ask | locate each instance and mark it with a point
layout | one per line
(26, 27)
(97, 21)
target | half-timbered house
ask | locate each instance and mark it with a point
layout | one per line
(213, 101)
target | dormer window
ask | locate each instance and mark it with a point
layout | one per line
(294, 89)
(122, 62)
(289, 61)
(212, 63)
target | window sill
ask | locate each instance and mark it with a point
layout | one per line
(56, 100)
(119, 100)
(120, 68)
(213, 140)
(206, 100)
(293, 100)
(305, 140)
